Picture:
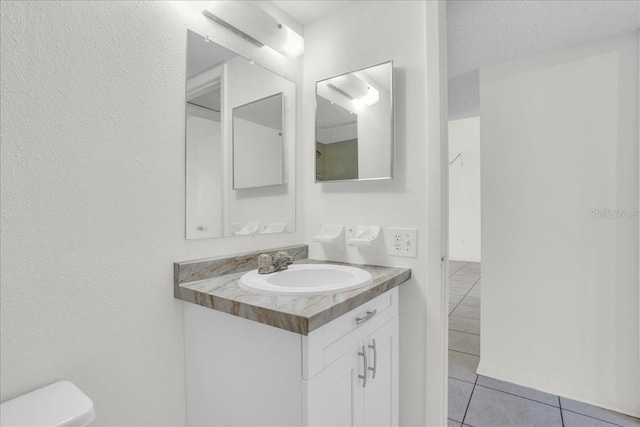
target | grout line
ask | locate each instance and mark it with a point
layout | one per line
(459, 315)
(560, 406)
(451, 274)
(469, 402)
(464, 352)
(464, 381)
(460, 303)
(458, 351)
(600, 419)
(517, 395)
(464, 332)
(465, 295)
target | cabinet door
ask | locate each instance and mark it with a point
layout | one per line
(341, 396)
(381, 392)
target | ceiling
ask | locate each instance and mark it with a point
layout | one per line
(308, 11)
(483, 33)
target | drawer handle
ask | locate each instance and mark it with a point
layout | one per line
(375, 359)
(369, 315)
(366, 366)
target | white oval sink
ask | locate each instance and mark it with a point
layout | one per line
(307, 279)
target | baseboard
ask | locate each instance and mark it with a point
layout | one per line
(464, 260)
(551, 387)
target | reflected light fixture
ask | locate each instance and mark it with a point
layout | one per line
(355, 89)
(257, 26)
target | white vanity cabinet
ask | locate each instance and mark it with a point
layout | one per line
(341, 395)
(242, 372)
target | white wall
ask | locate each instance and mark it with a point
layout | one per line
(560, 288)
(464, 189)
(93, 195)
(360, 35)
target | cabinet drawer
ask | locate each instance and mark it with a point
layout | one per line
(326, 344)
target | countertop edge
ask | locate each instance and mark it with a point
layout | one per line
(278, 319)
(320, 319)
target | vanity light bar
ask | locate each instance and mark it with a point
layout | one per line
(256, 25)
(354, 88)
(340, 91)
(236, 30)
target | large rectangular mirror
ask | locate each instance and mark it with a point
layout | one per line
(354, 125)
(240, 145)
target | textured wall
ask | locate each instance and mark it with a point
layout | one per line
(559, 138)
(92, 198)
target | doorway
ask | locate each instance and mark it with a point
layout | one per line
(544, 330)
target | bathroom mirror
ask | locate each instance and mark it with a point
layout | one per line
(240, 145)
(257, 143)
(354, 125)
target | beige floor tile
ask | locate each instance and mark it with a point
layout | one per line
(599, 413)
(463, 366)
(525, 392)
(475, 292)
(455, 299)
(471, 301)
(459, 394)
(466, 343)
(464, 324)
(456, 265)
(571, 419)
(459, 291)
(467, 311)
(451, 308)
(492, 408)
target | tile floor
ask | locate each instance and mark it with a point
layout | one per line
(480, 401)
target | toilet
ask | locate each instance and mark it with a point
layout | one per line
(60, 404)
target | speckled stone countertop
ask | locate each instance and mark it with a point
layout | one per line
(296, 314)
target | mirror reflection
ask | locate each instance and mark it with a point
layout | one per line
(257, 143)
(354, 125)
(240, 145)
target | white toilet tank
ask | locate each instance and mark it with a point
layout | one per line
(61, 404)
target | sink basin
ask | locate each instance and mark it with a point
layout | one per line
(306, 279)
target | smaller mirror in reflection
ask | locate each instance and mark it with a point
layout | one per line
(354, 125)
(257, 143)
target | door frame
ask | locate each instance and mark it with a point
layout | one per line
(437, 342)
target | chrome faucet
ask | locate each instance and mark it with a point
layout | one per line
(268, 264)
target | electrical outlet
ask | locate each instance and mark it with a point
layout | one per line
(403, 242)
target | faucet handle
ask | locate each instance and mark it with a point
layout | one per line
(265, 261)
(279, 255)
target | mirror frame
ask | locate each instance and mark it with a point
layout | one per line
(391, 133)
(233, 142)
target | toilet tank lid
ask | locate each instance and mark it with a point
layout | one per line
(60, 404)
